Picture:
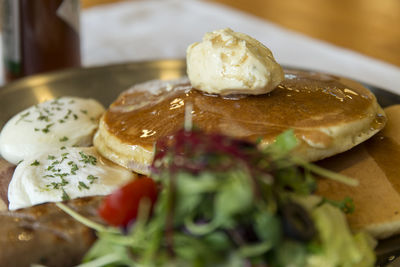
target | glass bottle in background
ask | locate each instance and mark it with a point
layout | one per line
(40, 36)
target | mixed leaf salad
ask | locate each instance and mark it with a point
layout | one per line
(217, 201)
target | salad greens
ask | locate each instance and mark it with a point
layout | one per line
(225, 202)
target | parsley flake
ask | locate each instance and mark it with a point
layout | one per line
(35, 163)
(64, 139)
(82, 185)
(92, 178)
(74, 168)
(22, 117)
(64, 196)
(50, 168)
(47, 128)
(43, 118)
(89, 159)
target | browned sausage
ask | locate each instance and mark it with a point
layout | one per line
(6, 172)
(46, 235)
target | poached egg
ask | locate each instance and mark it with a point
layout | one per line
(63, 174)
(65, 121)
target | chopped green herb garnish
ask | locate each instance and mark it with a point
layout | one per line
(47, 128)
(56, 102)
(74, 168)
(63, 158)
(64, 196)
(43, 118)
(68, 113)
(22, 117)
(50, 168)
(48, 111)
(58, 185)
(92, 178)
(64, 139)
(84, 111)
(61, 175)
(50, 157)
(82, 185)
(63, 147)
(89, 159)
(35, 163)
(54, 185)
(75, 116)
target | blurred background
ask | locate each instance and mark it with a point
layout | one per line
(355, 38)
(370, 27)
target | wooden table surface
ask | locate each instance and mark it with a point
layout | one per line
(371, 27)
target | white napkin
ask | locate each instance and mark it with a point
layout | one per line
(155, 29)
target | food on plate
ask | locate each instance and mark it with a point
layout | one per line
(225, 202)
(228, 62)
(235, 190)
(45, 235)
(329, 115)
(123, 204)
(6, 172)
(63, 174)
(375, 164)
(65, 121)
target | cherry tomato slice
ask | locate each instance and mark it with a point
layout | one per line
(122, 205)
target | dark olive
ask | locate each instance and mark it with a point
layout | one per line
(242, 234)
(296, 222)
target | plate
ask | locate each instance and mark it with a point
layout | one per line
(105, 83)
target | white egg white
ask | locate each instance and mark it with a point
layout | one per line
(65, 121)
(63, 174)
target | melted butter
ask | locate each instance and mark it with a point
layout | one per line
(304, 101)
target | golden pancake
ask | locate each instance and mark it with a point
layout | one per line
(329, 115)
(376, 165)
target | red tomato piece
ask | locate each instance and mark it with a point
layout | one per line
(122, 205)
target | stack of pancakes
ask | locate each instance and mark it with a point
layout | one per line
(376, 165)
(328, 114)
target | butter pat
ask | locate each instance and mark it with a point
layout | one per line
(228, 62)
